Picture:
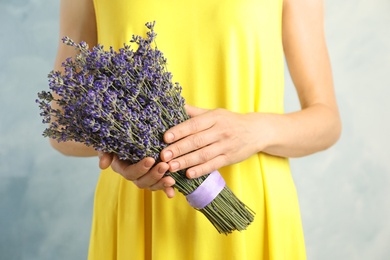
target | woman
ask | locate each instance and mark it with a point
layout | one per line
(228, 56)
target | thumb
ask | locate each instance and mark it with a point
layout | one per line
(194, 111)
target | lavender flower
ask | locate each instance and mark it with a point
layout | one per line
(122, 102)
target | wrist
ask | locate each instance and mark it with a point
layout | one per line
(263, 127)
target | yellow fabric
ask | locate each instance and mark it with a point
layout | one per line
(225, 54)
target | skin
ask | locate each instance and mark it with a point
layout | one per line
(215, 138)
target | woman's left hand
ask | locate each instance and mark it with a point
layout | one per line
(209, 140)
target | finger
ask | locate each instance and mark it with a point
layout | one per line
(105, 160)
(195, 158)
(207, 167)
(132, 171)
(189, 144)
(188, 127)
(164, 183)
(152, 177)
(170, 192)
(194, 111)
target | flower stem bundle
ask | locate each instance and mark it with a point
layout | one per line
(123, 102)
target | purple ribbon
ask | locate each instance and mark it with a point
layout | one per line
(207, 191)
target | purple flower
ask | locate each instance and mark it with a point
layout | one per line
(122, 102)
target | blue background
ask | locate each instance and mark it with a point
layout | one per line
(46, 199)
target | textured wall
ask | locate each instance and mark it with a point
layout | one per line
(46, 199)
(344, 191)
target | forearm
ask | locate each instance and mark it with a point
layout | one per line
(71, 148)
(77, 20)
(297, 134)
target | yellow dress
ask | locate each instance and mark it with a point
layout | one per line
(225, 54)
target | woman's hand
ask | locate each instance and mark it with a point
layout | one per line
(143, 174)
(209, 140)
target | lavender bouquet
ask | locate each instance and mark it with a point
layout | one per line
(122, 102)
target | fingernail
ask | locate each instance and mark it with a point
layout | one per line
(174, 166)
(149, 163)
(169, 137)
(168, 155)
(191, 173)
(161, 170)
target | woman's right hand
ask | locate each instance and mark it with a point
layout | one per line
(143, 174)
